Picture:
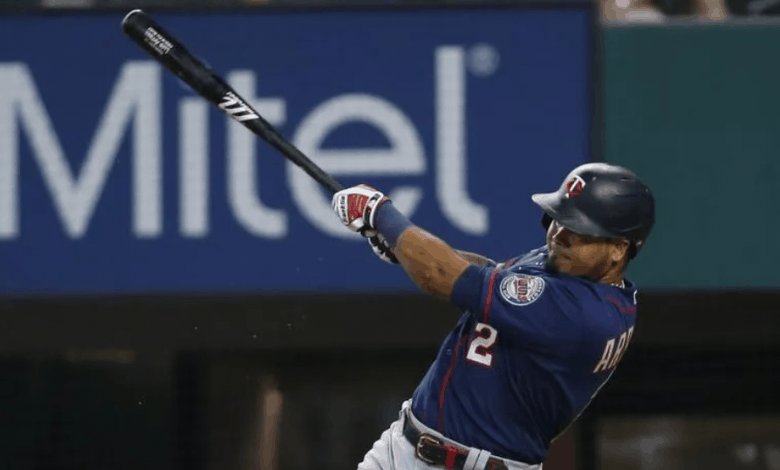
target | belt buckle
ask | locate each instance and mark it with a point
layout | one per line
(426, 439)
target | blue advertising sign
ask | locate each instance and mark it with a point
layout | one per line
(116, 178)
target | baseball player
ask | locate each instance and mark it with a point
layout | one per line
(540, 334)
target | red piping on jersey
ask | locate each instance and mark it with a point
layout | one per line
(446, 381)
(621, 307)
(489, 299)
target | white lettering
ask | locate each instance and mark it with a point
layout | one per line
(136, 101)
(619, 350)
(193, 168)
(11, 76)
(235, 108)
(249, 210)
(404, 157)
(625, 339)
(135, 95)
(451, 164)
(606, 357)
(161, 45)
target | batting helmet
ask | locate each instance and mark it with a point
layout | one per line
(601, 200)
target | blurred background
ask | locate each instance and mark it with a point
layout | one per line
(176, 296)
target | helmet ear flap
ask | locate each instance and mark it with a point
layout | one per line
(546, 221)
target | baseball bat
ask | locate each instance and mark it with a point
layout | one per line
(171, 54)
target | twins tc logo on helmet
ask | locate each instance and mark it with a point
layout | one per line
(574, 186)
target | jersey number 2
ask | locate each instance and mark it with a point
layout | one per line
(481, 347)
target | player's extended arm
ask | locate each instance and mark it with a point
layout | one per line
(474, 258)
(429, 262)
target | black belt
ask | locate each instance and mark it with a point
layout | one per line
(432, 450)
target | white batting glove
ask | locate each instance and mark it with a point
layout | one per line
(356, 207)
(382, 249)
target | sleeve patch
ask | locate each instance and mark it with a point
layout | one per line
(522, 289)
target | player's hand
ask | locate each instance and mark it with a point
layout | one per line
(356, 207)
(382, 249)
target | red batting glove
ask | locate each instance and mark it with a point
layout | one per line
(356, 207)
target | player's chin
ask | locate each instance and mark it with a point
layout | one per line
(550, 265)
(561, 264)
(557, 264)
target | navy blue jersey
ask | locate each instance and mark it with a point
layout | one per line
(525, 359)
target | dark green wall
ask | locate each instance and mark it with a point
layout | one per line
(695, 111)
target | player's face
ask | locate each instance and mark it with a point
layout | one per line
(580, 255)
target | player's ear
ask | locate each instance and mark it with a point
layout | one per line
(619, 249)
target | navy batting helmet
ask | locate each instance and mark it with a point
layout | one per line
(602, 200)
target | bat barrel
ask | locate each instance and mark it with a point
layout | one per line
(172, 55)
(146, 33)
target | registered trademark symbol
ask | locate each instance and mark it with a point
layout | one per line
(483, 60)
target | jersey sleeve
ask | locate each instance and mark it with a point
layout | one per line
(540, 311)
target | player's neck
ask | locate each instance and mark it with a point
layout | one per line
(615, 282)
(613, 277)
